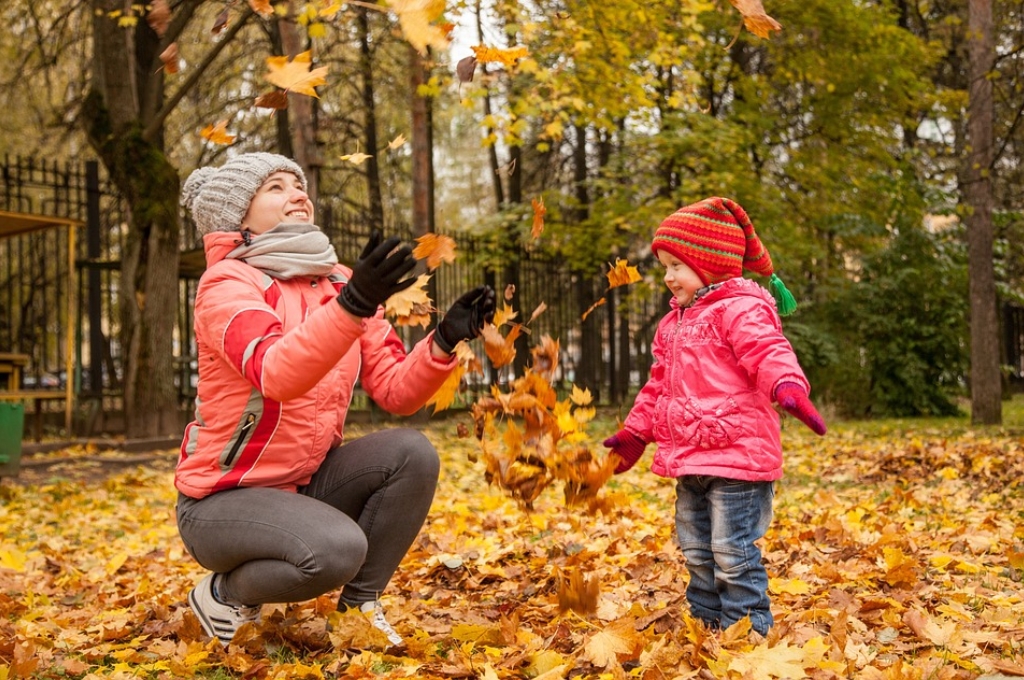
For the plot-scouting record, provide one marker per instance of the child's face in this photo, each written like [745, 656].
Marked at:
[680, 278]
[280, 198]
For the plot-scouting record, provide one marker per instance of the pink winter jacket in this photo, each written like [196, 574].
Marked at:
[277, 363]
[708, 402]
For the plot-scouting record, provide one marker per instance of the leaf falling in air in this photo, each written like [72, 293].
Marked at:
[466, 68]
[221, 22]
[510, 292]
[539, 211]
[592, 308]
[396, 143]
[507, 56]
[755, 18]
[504, 314]
[545, 357]
[621, 274]
[296, 75]
[276, 99]
[541, 308]
[416, 17]
[218, 134]
[357, 158]
[262, 7]
[170, 59]
[158, 17]
[435, 249]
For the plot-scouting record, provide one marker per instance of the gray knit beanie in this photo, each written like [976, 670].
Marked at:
[219, 197]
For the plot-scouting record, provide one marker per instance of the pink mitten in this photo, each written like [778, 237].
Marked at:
[626, 446]
[793, 399]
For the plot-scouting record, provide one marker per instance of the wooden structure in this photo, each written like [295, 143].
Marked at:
[12, 364]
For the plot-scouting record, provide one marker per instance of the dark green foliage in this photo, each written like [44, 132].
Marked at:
[899, 333]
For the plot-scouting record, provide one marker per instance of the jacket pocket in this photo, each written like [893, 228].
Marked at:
[243, 433]
[710, 426]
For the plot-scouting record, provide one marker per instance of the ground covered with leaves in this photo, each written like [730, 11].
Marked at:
[895, 553]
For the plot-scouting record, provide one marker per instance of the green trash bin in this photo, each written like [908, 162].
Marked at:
[12, 426]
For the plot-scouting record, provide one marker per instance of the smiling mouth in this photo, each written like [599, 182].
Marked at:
[299, 214]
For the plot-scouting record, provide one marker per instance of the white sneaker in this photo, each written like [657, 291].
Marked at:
[379, 622]
[219, 620]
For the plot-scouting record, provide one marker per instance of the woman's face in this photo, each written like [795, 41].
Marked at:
[279, 199]
[680, 278]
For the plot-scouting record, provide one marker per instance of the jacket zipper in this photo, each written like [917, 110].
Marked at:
[250, 420]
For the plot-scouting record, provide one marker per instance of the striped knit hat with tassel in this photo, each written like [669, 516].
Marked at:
[716, 239]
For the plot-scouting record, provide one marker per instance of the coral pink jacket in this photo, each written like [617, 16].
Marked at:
[708, 402]
[278, 360]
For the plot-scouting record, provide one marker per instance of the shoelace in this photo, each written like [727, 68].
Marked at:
[379, 622]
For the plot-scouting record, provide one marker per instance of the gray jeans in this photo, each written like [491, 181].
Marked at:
[351, 526]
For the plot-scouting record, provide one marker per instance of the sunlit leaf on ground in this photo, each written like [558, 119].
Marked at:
[93, 576]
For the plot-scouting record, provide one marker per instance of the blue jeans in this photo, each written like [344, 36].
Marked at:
[350, 526]
[717, 522]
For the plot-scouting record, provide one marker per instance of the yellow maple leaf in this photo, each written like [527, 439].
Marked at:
[412, 306]
[504, 315]
[396, 143]
[357, 158]
[622, 274]
[446, 393]
[581, 397]
[604, 648]
[296, 75]
[435, 249]
[506, 56]
[416, 17]
[763, 663]
[218, 134]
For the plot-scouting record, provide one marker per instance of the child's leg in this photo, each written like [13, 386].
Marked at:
[693, 531]
[740, 515]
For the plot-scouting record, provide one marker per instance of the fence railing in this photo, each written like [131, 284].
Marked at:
[608, 353]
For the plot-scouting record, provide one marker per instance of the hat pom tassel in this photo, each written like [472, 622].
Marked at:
[783, 298]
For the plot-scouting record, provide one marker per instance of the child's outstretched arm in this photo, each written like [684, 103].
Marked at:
[793, 398]
[628, 447]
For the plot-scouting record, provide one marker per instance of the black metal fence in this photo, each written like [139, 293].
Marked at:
[607, 353]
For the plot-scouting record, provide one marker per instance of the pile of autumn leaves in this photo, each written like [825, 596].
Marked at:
[890, 557]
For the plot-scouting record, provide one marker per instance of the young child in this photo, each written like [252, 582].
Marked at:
[720, 361]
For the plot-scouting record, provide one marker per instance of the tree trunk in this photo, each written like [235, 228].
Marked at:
[301, 110]
[371, 167]
[986, 406]
[124, 91]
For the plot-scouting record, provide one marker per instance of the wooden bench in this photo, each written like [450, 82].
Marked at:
[11, 365]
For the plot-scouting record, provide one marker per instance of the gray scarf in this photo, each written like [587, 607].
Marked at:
[287, 251]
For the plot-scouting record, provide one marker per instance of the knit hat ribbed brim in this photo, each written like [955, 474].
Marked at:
[715, 238]
[218, 198]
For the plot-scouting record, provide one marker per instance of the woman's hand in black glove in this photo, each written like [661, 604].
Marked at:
[377, 275]
[465, 319]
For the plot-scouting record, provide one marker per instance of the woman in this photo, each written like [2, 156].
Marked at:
[271, 499]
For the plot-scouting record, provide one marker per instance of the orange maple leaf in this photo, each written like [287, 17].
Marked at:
[446, 393]
[218, 134]
[261, 7]
[296, 75]
[435, 249]
[755, 19]
[592, 308]
[622, 274]
[539, 211]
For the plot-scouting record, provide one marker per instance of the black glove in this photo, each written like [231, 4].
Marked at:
[465, 318]
[377, 275]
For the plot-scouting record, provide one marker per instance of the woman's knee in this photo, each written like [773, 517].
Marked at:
[420, 455]
[336, 559]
